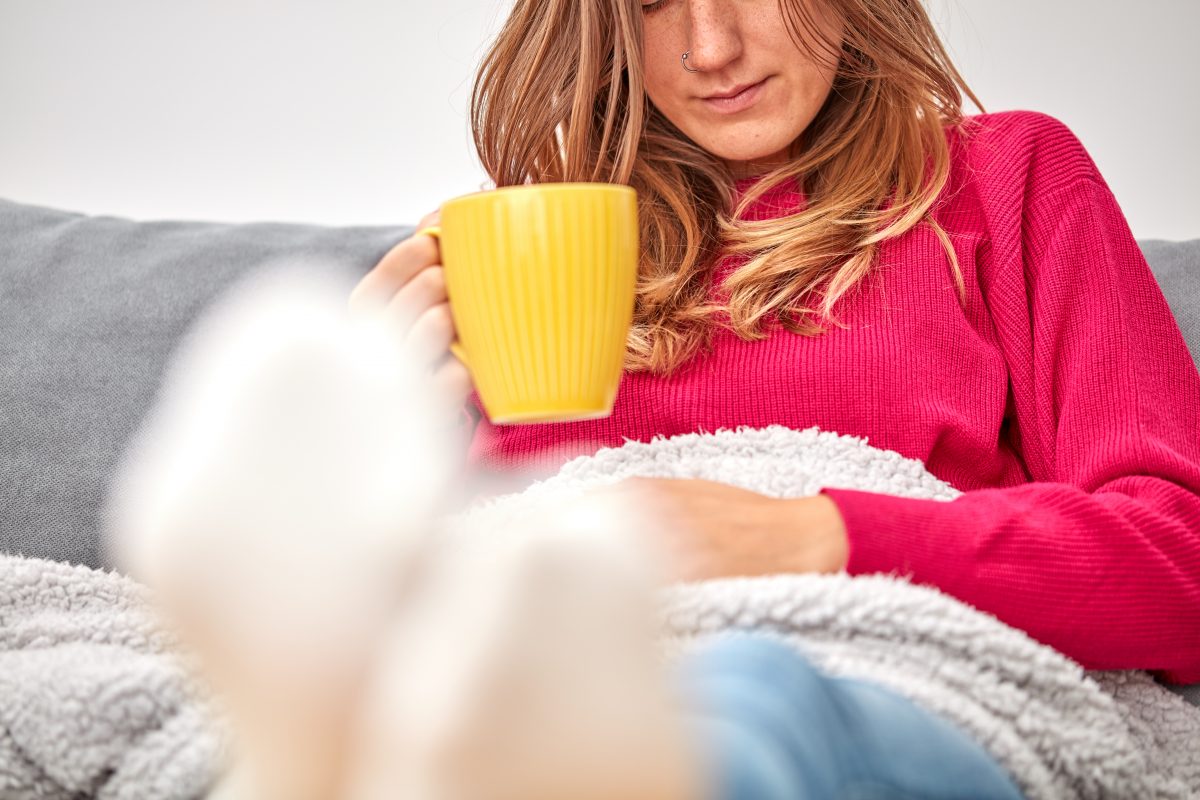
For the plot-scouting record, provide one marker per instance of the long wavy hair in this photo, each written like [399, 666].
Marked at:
[560, 97]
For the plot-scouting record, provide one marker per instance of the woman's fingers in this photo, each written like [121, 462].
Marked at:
[453, 380]
[424, 291]
[421, 308]
[432, 218]
[409, 286]
[430, 336]
[398, 266]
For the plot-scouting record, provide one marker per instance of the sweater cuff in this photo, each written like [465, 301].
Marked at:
[907, 536]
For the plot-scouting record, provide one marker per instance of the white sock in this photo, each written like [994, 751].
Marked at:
[283, 500]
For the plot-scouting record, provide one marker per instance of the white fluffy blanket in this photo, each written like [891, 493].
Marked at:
[94, 702]
[1060, 731]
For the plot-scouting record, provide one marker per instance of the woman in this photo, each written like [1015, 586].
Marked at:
[828, 241]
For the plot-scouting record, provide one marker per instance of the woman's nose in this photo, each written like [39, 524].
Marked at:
[715, 34]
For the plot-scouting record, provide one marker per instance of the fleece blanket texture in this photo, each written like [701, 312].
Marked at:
[95, 700]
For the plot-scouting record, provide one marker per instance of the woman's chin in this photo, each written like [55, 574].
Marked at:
[743, 161]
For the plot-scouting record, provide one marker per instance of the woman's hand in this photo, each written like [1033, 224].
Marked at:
[409, 286]
[713, 530]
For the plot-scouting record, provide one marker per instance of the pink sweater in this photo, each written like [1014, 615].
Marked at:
[1062, 401]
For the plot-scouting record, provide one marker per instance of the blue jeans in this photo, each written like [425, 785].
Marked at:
[774, 727]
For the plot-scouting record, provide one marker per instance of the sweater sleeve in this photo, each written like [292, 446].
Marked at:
[1099, 555]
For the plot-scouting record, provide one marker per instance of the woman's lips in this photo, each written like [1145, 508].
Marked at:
[739, 102]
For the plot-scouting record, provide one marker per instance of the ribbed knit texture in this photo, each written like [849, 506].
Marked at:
[1062, 400]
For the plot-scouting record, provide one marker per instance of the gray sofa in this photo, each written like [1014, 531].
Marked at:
[91, 308]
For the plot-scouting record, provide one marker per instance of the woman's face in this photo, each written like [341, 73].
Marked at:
[733, 44]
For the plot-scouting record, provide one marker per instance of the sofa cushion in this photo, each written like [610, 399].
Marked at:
[90, 310]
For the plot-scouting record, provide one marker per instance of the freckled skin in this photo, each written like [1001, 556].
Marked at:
[732, 43]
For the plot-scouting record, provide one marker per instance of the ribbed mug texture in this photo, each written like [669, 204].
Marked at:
[541, 282]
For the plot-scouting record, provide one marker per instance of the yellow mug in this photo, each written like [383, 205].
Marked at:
[541, 280]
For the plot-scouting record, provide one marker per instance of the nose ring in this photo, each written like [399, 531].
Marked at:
[685, 64]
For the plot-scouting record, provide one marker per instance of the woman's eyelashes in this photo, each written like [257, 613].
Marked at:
[650, 8]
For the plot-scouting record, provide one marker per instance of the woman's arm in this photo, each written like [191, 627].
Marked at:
[1099, 556]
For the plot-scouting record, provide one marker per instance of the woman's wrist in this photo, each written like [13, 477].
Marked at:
[816, 526]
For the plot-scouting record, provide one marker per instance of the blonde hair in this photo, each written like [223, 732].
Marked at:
[560, 97]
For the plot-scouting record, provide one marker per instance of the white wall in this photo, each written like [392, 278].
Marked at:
[355, 111]
[342, 112]
[1124, 75]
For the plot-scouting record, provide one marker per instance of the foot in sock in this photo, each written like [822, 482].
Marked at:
[273, 499]
[283, 500]
[537, 677]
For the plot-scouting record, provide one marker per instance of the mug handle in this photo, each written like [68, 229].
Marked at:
[455, 347]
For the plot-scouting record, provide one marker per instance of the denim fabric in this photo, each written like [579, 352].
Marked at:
[774, 727]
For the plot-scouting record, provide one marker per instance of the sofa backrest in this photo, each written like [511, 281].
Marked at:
[90, 310]
[1176, 267]
[92, 307]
